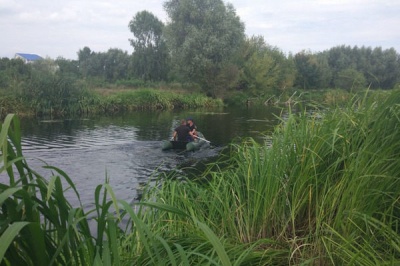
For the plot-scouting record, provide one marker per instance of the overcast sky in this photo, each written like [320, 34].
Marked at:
[53, 28]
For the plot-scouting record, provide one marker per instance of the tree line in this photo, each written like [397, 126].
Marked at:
[204, 45]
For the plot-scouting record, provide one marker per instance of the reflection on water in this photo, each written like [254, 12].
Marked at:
[126, 149]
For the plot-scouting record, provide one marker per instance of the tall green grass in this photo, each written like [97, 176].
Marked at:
[156, 99]
[56, 100]
[324, 191]
[38, 225]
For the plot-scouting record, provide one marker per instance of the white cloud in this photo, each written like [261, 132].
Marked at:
[61, 28]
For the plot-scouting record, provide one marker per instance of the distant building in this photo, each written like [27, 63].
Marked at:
[28, 58]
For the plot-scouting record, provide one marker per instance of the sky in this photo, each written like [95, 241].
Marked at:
[60, 28]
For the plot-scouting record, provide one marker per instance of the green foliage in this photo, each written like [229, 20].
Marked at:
[11, 104]
[264, 69]
[132, 83]
[379, 67]
[312, 71]
[13, 73]
[161, 100]
[68, 68]
[150, 57]
[38, 225]
[47, 91]
[322, 190]
[202, 37]
[109, 66]
[350, 79]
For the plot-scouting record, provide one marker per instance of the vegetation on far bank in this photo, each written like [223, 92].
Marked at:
[323, 190]
[208, 54]
[89, 102]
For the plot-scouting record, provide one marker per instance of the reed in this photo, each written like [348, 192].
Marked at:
[157, 99]
[38, 225]
[325, 192]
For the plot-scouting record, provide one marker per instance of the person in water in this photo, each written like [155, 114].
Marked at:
[182, 132]
[192, 127]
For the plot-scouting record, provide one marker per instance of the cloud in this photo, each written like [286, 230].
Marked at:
[318, 25]
[61, 28]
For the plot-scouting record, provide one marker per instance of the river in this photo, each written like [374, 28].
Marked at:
[126, 148]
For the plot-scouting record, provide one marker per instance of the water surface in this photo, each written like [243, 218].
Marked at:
[126, 148]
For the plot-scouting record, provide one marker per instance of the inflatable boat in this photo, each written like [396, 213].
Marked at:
[185, 145]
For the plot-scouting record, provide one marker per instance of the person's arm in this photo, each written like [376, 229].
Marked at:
[174, 135]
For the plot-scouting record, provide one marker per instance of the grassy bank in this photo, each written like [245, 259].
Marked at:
[321, 97]
[324, 191]
[95, 102]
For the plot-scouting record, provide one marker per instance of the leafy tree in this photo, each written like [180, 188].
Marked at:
[264, 69]
[84, 56]
[385, 68]
[324, 72]
[380, 68]
[49, 89]
[288, 74]
[68, 67]
[203, 36]
[313, 71]
[109, 66]
[13, 74]
[340, 58]
[4, 77]
[307, 70]
[116, 64]
[45, 65]
[350, 79]
[150, 57]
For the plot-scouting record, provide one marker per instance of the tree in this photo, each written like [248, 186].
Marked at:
[380, 68]
[84, 56]
[115, 64]
[150, 56]
[13, 74]
[350, 79]
[313, 71]
[264, 69]
[109, 66]
[203, 36]
[68, 67]
[385, 68]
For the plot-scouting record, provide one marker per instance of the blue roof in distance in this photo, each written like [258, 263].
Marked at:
[30, 57]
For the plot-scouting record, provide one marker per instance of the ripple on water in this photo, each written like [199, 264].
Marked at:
[90, 159]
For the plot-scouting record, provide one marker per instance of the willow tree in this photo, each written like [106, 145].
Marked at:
[313, 71]
[203, 36]
[150, 56]
[264, 69]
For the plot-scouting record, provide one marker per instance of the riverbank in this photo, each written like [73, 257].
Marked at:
[324, 190]
[115, 99]
[105, 101]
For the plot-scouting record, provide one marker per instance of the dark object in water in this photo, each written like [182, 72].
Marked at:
[182, 145]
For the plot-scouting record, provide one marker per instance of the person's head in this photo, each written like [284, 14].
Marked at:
[183, 122]
[189, 121]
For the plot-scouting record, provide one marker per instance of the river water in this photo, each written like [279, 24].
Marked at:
[126, 148]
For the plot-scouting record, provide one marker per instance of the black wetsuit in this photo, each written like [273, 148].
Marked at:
[183, 133]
